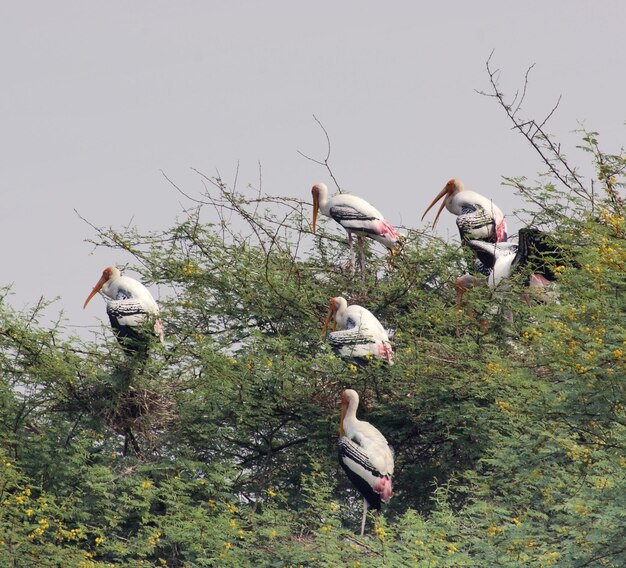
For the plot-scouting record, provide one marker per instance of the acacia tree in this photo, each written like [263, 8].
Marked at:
[220, 448]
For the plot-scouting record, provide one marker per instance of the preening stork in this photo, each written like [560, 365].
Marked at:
[478, 217]
[129, 306]
[365, 456]
[360, 333]
[356, 216]
[532, 248]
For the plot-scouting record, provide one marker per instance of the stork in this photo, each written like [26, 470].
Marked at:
[365, 456]
[478, 217]
[532, 248]
[129, 306]
[360, 333]
[356, 216]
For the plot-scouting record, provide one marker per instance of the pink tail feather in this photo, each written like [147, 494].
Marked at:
[386, 352]
[501, 232]
[385, 488]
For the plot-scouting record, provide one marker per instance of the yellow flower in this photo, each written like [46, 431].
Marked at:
[30, 512]
[326, 528]
[146, 484]
[228, 545]
[381, 533]
[99, 540]
[352, 367]
[269, 363]
[156, 536]
[504, 406]
[271, 492]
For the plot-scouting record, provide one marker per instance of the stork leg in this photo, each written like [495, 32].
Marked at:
[361, 246]
[364, 517]
[351, 250]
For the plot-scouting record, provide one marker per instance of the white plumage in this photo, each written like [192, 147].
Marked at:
[365, 456]
[478, 217]
[129, 306]
[356, 216]
[360, 334]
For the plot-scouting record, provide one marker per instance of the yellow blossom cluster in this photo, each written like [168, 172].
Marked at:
[614, 221]
[494, 530]
[381, 533]
[44, 524]
[190, 269]
[531, 333]
[578, 453]
[504, 406]
[154, 538]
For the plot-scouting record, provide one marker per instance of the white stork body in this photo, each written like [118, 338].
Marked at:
[129, 306]
[498, 258]
[356, 216]
[360, 333]
[478, 217]
[365, 456]
[531, 247]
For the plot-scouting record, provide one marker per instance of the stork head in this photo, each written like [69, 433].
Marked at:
[316, 190]
[451, 189]
[109, 273]
[348, 397]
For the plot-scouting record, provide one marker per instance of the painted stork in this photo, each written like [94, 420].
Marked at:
[532, 248]
[356, 216]
[365, 456]
[478, 217]
[360, 333]
[129, 306]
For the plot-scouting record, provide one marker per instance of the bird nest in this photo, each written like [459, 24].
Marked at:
[139, 413]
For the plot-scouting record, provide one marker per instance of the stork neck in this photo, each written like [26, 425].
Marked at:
[324, 200]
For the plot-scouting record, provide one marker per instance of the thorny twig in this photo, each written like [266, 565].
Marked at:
[534, 132]
[326, 161]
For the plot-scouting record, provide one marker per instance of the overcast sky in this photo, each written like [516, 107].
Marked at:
[98, 97]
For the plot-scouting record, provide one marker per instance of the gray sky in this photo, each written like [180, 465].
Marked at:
[98, 97]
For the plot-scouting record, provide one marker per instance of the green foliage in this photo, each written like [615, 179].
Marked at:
[219, 449]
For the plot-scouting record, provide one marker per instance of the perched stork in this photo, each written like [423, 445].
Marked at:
[364, 455]
[356, 216]
[361, 335]
[129, 306]
[478, 218]
[532, 248]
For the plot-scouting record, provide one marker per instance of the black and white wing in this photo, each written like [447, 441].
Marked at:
[360, 470]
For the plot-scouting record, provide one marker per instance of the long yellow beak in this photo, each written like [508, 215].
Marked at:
[344, 408]
[316, 206]
[444, 192]
[331, 312]
[95, 290]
